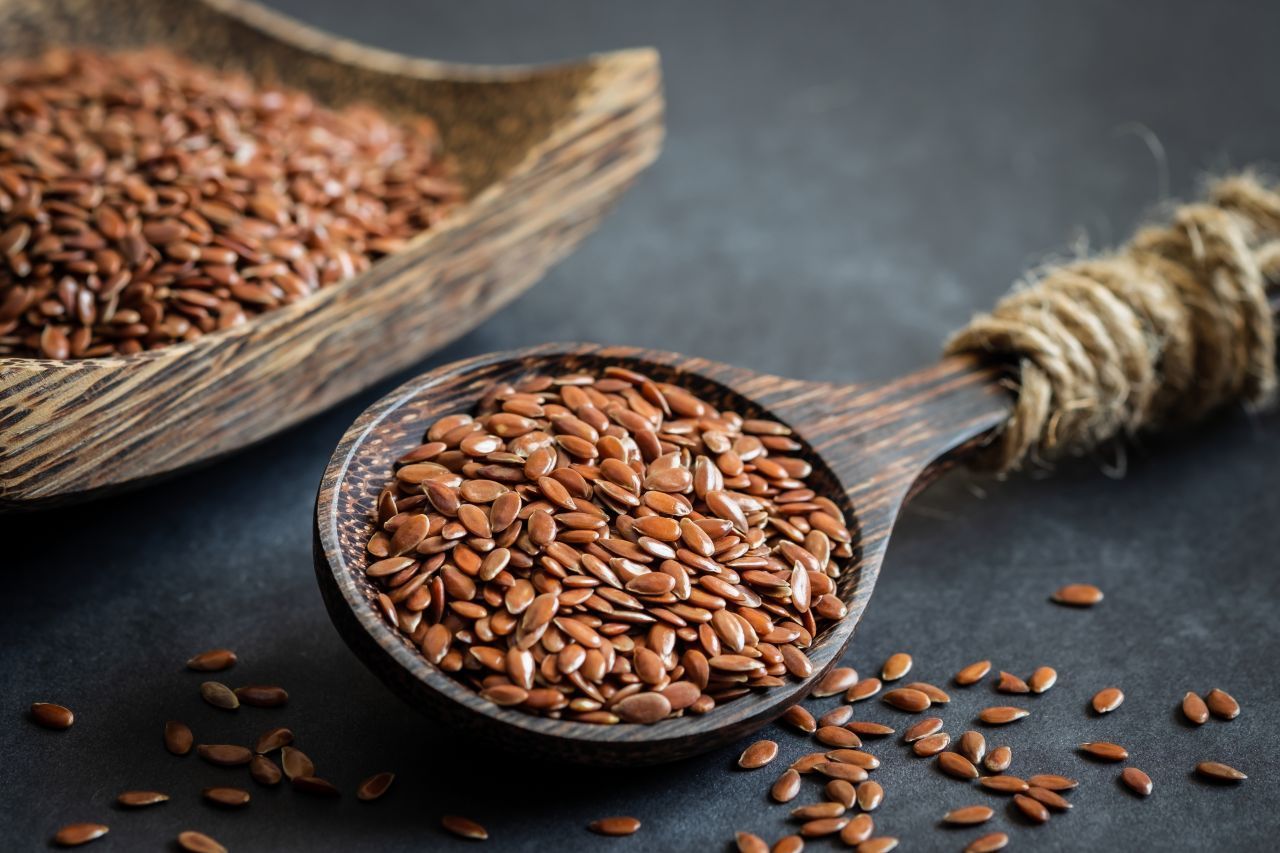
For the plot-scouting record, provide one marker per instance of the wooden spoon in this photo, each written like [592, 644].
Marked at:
[542, 151]
[871, 447]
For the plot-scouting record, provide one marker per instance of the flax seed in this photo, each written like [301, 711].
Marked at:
[177, 738]
[214, 660]
[374, 787]
[968, 816]
[857, 830]
[895, 667]
[823, 827]
[879, 844]
[841, 791]
[230, 797]
[789, 844]
[75, 834]
[787, 787]
[931, 745]
[264, 771]
[262, 696]
[1010, 683]
[1004, 784]
[1218, 772]
[922, 729]
[864, 689]
[907, 699]
[615, 826]
[296, 763]
[224, 754]
[750, 843]
[219, 695]
[1042, 679]
[198, 842]
[836, 681]
[1078, 595]
[758, 755]
[988, 843]
[273, 739]
[1104, 750]
[50, 716]
[1001, 715]
[1195, 709]
[1032, 808]
[1052, 799]
[856, 757]
[998, 759]
[1136, 781]
[1222, 704]
[937, 695]
[839, 770]
[800, 719]
[868, 729]
[956, 765]
[817, 811]
[972, 745]
[973, 673]
[314, 786]
[1052, 782]
[837, 716]
[464, 827]
[1107, 700]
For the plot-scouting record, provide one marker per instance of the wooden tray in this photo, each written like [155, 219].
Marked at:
[543, 152]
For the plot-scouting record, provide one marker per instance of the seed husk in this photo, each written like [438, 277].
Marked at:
[836, 681]
[1001, 715]
[296, 764]
[230, 797]
[51, 716]
[1216, 771]
[75, 834]
[315, 786]
[931, 745]
[1004, 784]
[219, 695]
[264, 771]
[973, 673]
[198, 842]
[1042, 679]
[858, 829]
[879, 844]
[800, 719]
[907, 699]
[758, 754]
[748, 842]
[262, 695]
[787, 787]
[1107, 700]
[837, 736]
[177, 738]
[823, 826]
[1010, 683]
[1105, 750]
[998, 759]
[922, 729]
[816, 811]
[896, 666]
[1222, 704]
[1052, 782]
[273, 739]
[867, 729]
[842, 792]
[1032, 808]
[214, 660]
[224, 754]
[1052, 799]
[138, 799]
[615, 826]
[1078, 595]
[988, 843]
[864, 689]
[936, 694]
[968, 815]
[955, 764]
[374, 787]
[1136, 781]
[1195, 709]
[972, 745]
[464, 827]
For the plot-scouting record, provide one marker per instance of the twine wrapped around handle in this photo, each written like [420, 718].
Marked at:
[1173, 325]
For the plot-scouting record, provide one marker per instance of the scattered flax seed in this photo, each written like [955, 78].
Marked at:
[1222, 704]
[615, 826]
[988, 843]
[856, 757]
[787, 787]
[214, 660]
[264, 771]
[374, 787]
[972, 745]
[931, 745]
[907, 699]
[1136, 781]
[1078, 595]
[973, 673]
[750, 843]
[1052, 782]
[922, 729]
[857, 830]
[968, 816]
[296, 763]
[800, 719]
[273, 739]
[51, 716]
[868, 729]
[262, 696]
[1004, 784]
[138, 799]
[807, 763]
[864, 689]
[998, 759]
[823, 827]
[230, 797]
[837, 716]
[840, 791]
[896, 666]
[936, 694]
[759, 754]
[1107, 700]
[842, 770]
[224, 754]
[956, 765]
[1052, 799]
[314, 785]
[1042, 679]
[177, 738]
[879, 844]
[198, 842]
[788, 844]
[75, 834]
[817, 811]
[836, 681]
[1010, 683]
[1001, 715]
[1219, 772]
[1104, 750]
[219, 695]
[1032, 808]
[837, 736]
[1195, 709]
[870, 795]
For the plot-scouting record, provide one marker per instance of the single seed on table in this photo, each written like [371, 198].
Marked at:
[615, 826]
[758, 754]
[817, 811]
[1104, 750]
[214, 660]
[879, 844]
[787, 787]
[750, 843]
[1052, 782]
[895, 667]
[264, 771]
[1042, 679]
[931, 745]
[841, 791]
[858, 829]
[198, 842]
[137, 799]
[232, 797]
[788, 844]
[807, 763]
[1032, 808]
[51, 716]
[836, 681]
[870, 795]
[374, 787]
[1195, 709]
[922, 729]
[219, 695]
[1078, 595]
[1052, 799]
[955, 764]
[224, 754]
[998, 759]
[973, 673]
[837, 716]
[864, 689]
[296, 763]
[936, 694]
[866, 729]
[1010, 683]
[988, 843]
[1222, 704]
[1003, 784]
[823, 826]
[262, 695]
[968, 816]
[837, 736]
[464, 827]
[1137, 781]
[972, 745]
[314, 785]
[799, 718]
[1001, 715]
[273, 739]
[842, 770]
[1219, 772]
[856, 757]
[907, 699]
[1107, 700]
[75, 834]
[177, 738]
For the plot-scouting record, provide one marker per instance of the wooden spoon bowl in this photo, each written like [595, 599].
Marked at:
[542, 152]
[870, 446]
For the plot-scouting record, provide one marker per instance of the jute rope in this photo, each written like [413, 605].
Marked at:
[1170, 327]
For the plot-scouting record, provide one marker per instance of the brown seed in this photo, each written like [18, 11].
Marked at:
[973, 673]
[643, 708]
[936, 694]
[864, 689]
[464, 828]
[789, 844]
[1032, 808]
[264, 771]
[922, 729]
[138, 799]
[988, 843]
[1000, 715]
[842, 792]
[219, 695]
[837, 736]
[808, 762]
[998, 759]
[799, 718]
[750, 843]
[955, 764]
[51, 716]
[262, 696]
[972, 745]
[1052, 782]
[1105, 751]
[296, 763]
[374, 787]
[788, 785]
[823, 826]
[857, 830]
[1219, 772]
[840, 770]
[1052, 799]
[198, 842]
[931, 744]
[817, 811]
[177, 738]
[615, 826]
[75, 834]
[1221, 704]
[1107, 700]
[907, 699]
[837, 716]
[1010, 683]
[896, 666]
[1195, 709]
[968, 816]
[879, 844]
[866, 729]
[231, 797]
[214, 660]
[314, 785]
[1042, 679]
[273, 739]
[758, 754]
[1137, 781]
[1004, 784]
[856, 757]
[224, 754]
[1078, 595]
[836, 681]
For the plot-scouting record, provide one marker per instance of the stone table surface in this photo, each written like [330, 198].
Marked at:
[842, 185]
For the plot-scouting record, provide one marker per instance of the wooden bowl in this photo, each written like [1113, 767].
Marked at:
[877, 443]
[542, 152]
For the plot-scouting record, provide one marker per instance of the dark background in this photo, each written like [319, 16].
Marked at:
[843, 184]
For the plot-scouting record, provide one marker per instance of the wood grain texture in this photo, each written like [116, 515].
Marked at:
[543, 152]
[870, 446]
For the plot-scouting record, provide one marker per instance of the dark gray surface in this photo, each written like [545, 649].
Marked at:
[843, 184]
